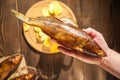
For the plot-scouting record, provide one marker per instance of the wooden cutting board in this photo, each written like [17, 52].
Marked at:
[36, 11]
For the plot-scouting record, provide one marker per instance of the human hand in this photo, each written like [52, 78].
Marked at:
[98, 37]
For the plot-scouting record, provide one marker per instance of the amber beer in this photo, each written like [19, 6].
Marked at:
[66, 34]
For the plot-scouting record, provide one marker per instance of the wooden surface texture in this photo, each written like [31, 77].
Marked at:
[102, 15]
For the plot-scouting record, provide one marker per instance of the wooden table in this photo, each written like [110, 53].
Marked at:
[98, 14]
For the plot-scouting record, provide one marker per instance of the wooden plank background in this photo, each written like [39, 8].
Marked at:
[102, 15]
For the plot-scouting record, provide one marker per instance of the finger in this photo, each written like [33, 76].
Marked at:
[54, 40]
[91, 32]
[66, 51]
[97, 36]
[75, 53]
[80, 56]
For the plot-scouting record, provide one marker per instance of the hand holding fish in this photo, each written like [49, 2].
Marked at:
[88, 46]
[98, 38]
[108, 62]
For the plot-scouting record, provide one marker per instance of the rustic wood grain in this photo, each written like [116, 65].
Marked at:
[9, 30]
[115, 7]
[30, 54]
[116, 23]
[89, 13]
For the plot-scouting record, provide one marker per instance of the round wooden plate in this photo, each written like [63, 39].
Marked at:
[36, 11]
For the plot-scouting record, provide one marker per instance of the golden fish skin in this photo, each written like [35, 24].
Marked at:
[8, 66]
[66, 34]
[29, 76]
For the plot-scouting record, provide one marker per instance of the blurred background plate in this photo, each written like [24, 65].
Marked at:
[34, 36]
